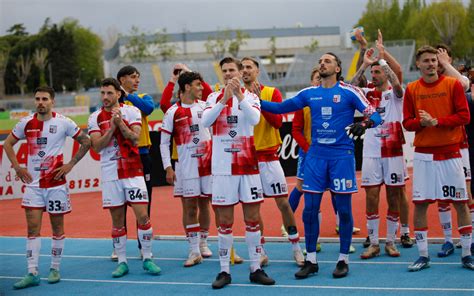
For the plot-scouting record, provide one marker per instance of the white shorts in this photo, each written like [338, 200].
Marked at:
[197, 187]
[178, 184]
[118, 192]
[466, 166]
[440, 180]
[54, 200]
[383, 170]
[273, 179]
[229, 190]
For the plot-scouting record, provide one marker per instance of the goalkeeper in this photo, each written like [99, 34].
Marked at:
[330, 161]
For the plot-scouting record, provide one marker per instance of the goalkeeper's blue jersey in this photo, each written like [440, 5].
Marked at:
[332, 110]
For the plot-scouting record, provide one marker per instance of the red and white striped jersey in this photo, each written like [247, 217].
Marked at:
[45, 140]
[192, 139]
[385, 140]
[120, 159]
[233, 148]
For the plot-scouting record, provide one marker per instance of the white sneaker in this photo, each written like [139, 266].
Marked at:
[204, 249]
[193, 259]
[299, 257]
[114, 256]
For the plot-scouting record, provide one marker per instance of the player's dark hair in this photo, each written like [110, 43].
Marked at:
[46, 89]
[376, 63]
[230, 60]
[253, 60]
[445, 47]
[339, 64]
[313, 72]
[187, 78]
[127, 70]
[111, 81]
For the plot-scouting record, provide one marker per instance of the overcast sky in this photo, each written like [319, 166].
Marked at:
[177, 15]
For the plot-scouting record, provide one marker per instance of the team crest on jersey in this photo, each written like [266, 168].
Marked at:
[196, 140]
[380, 109]
[232, 119]
[199, 114]
[53, 129]
[348, 183]
[336, 99]
[232, 133]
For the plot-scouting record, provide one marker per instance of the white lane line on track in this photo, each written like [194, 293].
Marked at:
[216, 260]
[261, 286]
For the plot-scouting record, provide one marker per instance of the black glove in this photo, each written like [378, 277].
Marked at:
[357, 130]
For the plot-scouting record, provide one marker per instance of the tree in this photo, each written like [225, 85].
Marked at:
[165, 48]
[40, 57]
[226, 41]
[22, 71]
[273, 55]
[217, 45]
[18, 30]
[63, 56]
[442, 22]
[312, 46]
[137, 46]
[4, 55]
[89, 53]
[237, 42]
[445, 21]
[470, 28]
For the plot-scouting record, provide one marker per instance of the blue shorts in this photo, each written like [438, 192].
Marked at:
[321, 174]
[300, 167]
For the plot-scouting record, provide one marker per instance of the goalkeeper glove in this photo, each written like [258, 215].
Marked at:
[357, 130]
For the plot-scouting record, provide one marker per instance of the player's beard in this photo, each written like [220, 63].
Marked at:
[326, 74]
[42, 110]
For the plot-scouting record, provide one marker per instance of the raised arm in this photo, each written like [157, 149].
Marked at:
[361, 80]
[449, 70]
[392, 62]
[397, 87]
